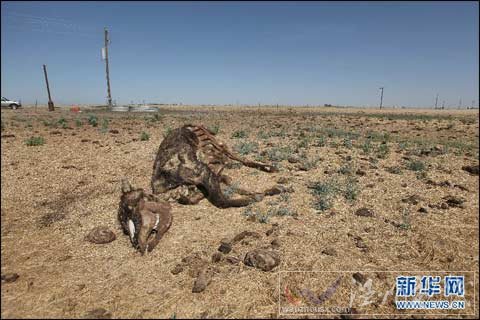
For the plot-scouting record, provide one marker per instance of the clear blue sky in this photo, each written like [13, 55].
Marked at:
[248, 53]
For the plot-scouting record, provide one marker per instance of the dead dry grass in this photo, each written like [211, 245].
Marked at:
[54, 194]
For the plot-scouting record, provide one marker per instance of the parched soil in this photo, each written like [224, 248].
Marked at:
[391, 191]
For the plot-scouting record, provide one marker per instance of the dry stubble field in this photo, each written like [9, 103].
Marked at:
[404, 166]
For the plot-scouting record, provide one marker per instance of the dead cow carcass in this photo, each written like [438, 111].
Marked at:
[189, 164]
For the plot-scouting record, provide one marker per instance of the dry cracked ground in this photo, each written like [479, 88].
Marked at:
[372, 192]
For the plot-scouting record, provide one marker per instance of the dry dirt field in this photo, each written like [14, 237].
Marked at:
[405, 168]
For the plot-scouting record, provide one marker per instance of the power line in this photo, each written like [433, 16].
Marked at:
[106, 69]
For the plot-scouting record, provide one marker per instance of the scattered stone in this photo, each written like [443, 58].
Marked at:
[50, 218]
[445, 183]
[422, 210]
[201, 282]
[114, 131]
[359, 277]
[100, 235]
[8, 136]
[364, 212]
[293, 159]
[444, 206]
[225, 246]
[217, 257]
[275, 243]
[282, 180]
[471, 169]
[273, 230]
[98, 313]
[85, 140]
[177, 269]
[360, 243]
[370, 185]
[360, 172]
[9, 277]
[329, 251]
[55, 132]
[413, 199]
[242, 235]
[232, 260]
[454, 201]
[262, 259]
[303, 167]
[461, 187]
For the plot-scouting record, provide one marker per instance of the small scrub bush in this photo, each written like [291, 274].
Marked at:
[322, 203]
[215, 129]
[278, 153]
[321, 141]
[168, 130]
[35, 141]
[367, 146]
[416, 165]
[245, 148]
[382, 151]
[351, 190]
[144, 136]
[104, 126]
[239, 134]
[347, 143]
[62, 122]
[93, 120]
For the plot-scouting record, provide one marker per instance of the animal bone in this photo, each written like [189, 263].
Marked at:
[188, 168]
[144, 217]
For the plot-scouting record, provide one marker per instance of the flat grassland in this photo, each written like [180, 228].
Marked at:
[61, 176]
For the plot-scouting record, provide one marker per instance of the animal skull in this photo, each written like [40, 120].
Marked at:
[143, 217]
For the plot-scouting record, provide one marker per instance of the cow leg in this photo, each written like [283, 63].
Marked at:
[269, 192]
[212, 190]
[194, 196]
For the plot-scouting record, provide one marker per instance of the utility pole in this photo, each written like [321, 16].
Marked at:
[460, 104]
[443, 104]
[473, 103]
[381, 98]
[106, 69]
[436, 101]
[51, 107]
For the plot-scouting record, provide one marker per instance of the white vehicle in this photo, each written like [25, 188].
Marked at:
[10, 103]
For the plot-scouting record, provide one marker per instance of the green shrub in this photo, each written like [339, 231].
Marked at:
[321, 142]
[144, 136]
[104, 126]
[93, 120]
[214, 129]
[245, 148]
[351, 190]
[383, 151]
[347, 143]
[168, 130]
[367, 146]
[278, 153]
[416, 165]
[35, 141]
[239, 134]
[62, 122]
[322, 203]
